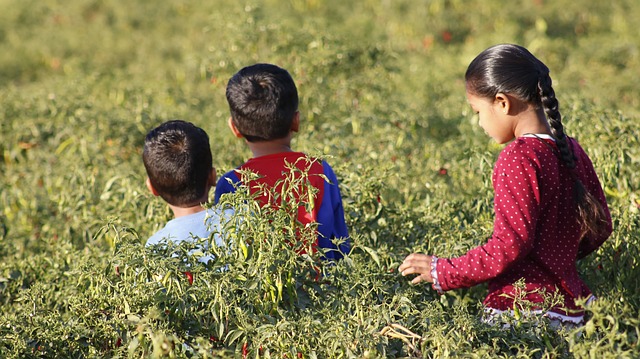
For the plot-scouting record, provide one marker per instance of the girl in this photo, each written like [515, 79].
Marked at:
[549, 207]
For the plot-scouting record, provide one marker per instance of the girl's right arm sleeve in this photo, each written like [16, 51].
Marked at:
[516, 207]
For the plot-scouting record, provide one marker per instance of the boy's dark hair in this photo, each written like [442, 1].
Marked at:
[513, 70]
[263, 100]
[178, 161]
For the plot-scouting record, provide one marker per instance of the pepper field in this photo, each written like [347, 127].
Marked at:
[381, 98]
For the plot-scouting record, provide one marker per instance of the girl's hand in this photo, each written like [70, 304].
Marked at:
[417, 263]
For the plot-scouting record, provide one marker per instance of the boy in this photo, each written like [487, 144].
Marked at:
[179, 167]
[263, 101]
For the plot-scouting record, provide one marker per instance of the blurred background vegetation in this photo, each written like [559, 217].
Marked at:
[382, 95]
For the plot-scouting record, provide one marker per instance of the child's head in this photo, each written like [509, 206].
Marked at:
[512, 70]
[263, 100]
[178, 161]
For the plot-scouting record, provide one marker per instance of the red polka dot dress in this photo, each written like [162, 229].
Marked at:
[536, 234]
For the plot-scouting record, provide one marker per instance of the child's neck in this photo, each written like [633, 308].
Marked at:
[185, 211]
[264, 148]
[532, 121]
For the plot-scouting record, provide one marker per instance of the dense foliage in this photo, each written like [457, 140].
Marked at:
[382, 98]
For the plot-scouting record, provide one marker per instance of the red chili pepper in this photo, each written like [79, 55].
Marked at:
[299, 355]
[245, 351]
[446, 36]
[443, 171]
[189, 277]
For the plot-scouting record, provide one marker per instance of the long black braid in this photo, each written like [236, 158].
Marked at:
[590, 211]
[550, 106]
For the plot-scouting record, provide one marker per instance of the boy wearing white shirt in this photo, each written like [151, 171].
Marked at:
[177, 158]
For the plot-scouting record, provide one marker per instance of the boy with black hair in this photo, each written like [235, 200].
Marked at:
[177, 158]
[263, 101]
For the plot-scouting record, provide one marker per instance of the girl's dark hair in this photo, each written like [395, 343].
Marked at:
[513, 70]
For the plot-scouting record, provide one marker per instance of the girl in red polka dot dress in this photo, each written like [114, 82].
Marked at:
[550, 210]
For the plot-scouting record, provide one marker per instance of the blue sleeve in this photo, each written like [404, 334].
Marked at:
[226, 185]
[331, 220]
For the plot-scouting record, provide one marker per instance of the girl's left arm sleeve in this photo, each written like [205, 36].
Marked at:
[516, 206]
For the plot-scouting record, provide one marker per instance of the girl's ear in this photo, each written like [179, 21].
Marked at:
[295, 124]
[233, 128]
[151, 188]
[503, 102]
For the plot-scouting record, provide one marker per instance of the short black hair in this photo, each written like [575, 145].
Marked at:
[263, 100]
[177, 157]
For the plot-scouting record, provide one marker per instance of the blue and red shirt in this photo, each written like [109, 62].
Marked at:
[326, 210]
